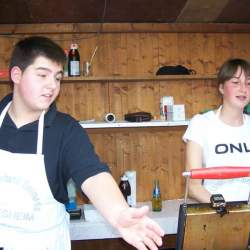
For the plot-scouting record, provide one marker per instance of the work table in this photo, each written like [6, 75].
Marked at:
[96, 227]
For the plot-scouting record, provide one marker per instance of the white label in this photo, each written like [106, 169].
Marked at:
[74, 68]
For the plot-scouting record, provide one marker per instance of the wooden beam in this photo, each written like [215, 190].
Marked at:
[78, 28]
[201, 11]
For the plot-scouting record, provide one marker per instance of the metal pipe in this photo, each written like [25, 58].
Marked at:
[186, 190]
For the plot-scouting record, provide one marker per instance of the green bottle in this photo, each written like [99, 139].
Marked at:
[156, 197]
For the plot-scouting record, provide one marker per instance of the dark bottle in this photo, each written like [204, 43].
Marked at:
[125, 187]
[156, 197]
[74, 61]
[66, 65]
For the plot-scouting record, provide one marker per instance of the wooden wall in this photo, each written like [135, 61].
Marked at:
[132, 53]
[152, 152]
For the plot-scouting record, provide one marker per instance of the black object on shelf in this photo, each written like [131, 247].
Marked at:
[138, 117]
[175, 70]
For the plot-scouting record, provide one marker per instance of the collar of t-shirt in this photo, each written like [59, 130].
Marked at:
[48, 119]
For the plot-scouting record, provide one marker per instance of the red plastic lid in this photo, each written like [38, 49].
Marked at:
[4, 73]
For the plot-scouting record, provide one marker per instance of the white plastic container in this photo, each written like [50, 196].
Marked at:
[131, 174]
[179, 112]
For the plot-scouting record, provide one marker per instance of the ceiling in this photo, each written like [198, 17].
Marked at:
[129, 11]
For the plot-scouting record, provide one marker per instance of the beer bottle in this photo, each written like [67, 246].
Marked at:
[156, 197]
[74, 61]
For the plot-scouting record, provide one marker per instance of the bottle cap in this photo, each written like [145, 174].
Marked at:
[73, 46]
[71, 205]
[124, 178]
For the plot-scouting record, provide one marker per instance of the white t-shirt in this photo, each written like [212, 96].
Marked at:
[222, 145]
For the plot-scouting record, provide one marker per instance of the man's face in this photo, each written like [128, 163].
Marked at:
[39, 84]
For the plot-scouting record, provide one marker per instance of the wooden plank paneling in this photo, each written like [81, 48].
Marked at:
[4, 90]
[92, 28]
[142, 54]
[152, 152]
[167, 49]
[184, 55]
[84, 101]
[241, 46]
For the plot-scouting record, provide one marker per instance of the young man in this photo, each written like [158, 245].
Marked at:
[41, 149]
[222, 137]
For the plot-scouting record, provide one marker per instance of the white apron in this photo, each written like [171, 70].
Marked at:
[30, 217]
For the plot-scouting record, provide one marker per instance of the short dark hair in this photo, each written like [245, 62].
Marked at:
[229, 68]
[28, 49]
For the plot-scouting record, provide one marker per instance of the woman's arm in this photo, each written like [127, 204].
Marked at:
[194, 160]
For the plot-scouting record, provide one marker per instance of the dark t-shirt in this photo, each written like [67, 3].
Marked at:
[68, 152]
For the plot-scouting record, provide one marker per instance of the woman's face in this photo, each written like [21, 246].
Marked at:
[236, 91]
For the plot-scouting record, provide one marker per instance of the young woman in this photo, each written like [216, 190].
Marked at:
[222, 137]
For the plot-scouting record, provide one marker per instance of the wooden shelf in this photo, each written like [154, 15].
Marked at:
[137, 78]
[125, 124]
[128, 78]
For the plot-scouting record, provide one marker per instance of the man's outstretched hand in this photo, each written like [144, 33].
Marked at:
[138, 229]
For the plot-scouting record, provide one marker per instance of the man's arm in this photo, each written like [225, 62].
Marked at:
[194, 160]
[132, 223]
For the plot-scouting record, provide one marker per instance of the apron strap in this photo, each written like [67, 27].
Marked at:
[5, 110]
[39, 149]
